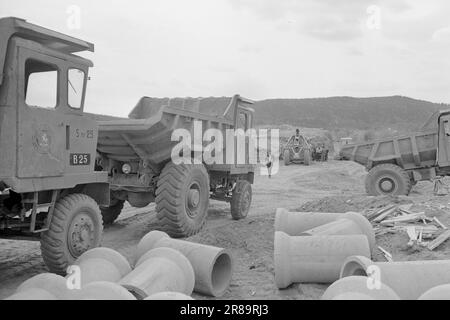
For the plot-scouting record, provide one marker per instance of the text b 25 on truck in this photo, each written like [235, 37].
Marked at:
[63, 174]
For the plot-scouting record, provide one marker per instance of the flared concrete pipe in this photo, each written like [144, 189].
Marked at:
[409, 279]
[102, 290]
[94, 269]
[50, 282]
[160, 270]
[437, 293]
[168, 296]
[347, 223]
[32, 294]
[110, 255]
[212, 266]
[358, 288]
[314, 259]
[352, 296]
[294, 223]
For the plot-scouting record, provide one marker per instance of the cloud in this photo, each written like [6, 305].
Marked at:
[441, 35]
[321, 19]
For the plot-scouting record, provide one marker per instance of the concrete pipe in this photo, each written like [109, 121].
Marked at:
[314, 259]
[212, 266]
[409, 279]
[437, 293]
[160, 270]
[50, 282]
[32, 294]
[353, 296]
[355, 287]
[168, 296]
[294, 223]
[348, 223]
[102, 290]
[94, 269]
[110, 255]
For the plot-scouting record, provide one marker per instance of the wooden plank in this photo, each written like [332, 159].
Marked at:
[440, 223]
[383, 216]
[380, 211]
[439, 240]
[408, 218]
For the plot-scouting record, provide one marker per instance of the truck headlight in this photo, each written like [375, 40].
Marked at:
[126, 168]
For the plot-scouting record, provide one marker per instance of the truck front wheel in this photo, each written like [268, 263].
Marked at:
[387, 179]
[76, 226]
[182, 199]
[241, 200]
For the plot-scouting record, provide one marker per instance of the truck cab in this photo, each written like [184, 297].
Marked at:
[47, 143]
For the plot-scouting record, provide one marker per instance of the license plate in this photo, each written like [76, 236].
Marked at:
[80, 159]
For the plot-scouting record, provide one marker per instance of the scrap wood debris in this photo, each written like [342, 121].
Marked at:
[421, 229]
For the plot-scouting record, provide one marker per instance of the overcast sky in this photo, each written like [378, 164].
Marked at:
[258, 48]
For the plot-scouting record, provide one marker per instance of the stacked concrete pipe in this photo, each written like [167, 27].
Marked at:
[441, 292]
[168, 295]
[359, 288]
[295, 223]
[316, 259]
[32, 294]
[323, 224]
[346, 224]
[409, 279]
[54, 284]
[102, 264]
[160, 270]
[212, 266]
[103, 290]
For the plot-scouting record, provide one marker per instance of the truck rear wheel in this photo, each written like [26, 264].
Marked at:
[241, 200]
[111, 213]
[387, 179]
[76, 227]
[182, 199]
[287, 157]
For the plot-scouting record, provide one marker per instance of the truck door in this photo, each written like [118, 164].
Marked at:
[41, 129]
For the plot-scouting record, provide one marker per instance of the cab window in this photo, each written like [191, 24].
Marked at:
[75, 87]
[41, 84]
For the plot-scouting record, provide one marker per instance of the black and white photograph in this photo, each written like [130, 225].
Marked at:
[224, 153]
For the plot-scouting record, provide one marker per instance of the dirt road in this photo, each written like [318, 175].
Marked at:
[334, 186]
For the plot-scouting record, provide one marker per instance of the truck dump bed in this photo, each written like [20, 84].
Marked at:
[147, 132]
[409, 152]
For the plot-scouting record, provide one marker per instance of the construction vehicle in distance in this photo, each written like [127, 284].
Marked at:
[136, 153]
[396, 164]
[49, 189]
[297, 150]
[56, 167]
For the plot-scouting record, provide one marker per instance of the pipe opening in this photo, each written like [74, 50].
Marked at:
[136, 292]
[221, 273]
[353, 268]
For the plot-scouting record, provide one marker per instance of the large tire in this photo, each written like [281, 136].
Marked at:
[111, 213]
[182, 199]
[287, 157]
[241, 199]
[387, 179]
[76, 227]
[307, 157]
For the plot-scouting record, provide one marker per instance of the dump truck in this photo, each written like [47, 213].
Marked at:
[137, 154]
[49, 188]
[396, 164]
[62, 179]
